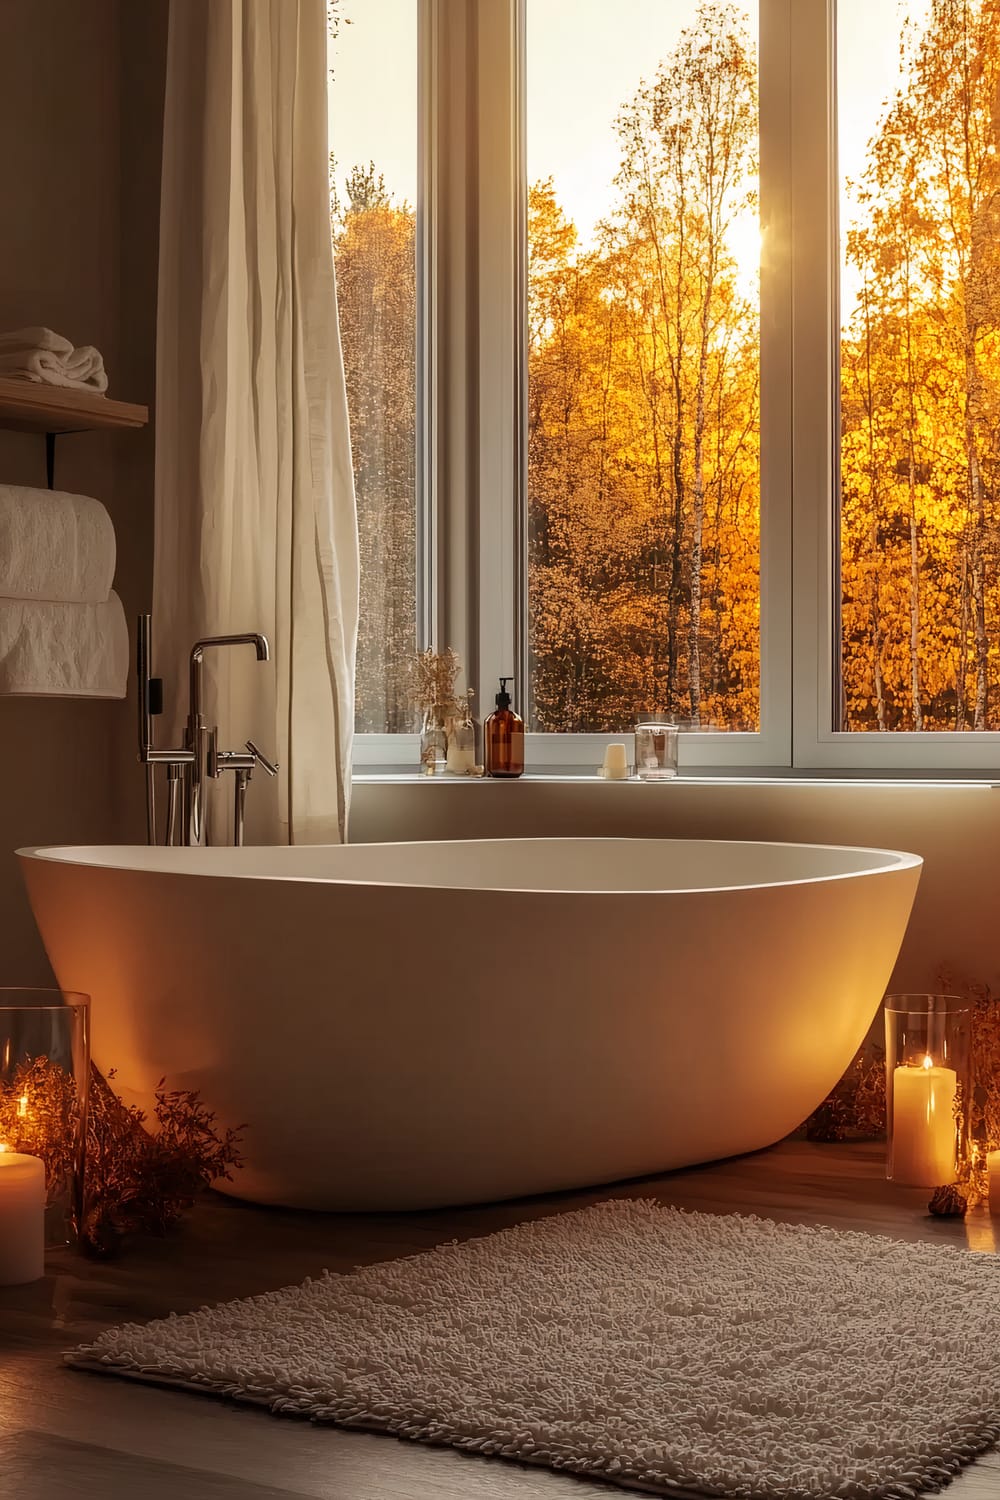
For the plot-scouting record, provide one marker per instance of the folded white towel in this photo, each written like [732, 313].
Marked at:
[41, 355]
[54, 546]
[63, 650]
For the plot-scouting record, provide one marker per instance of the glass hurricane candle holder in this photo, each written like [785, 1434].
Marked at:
[44, 1078]
[928, 1058]
[655, 747]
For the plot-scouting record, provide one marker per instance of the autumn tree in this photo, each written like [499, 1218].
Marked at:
[643, 406]
[374, 244]
[643, 413]
[921, 398]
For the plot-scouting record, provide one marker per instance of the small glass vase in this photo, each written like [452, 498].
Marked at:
[463, 747]
[434, 741]
[44, 1081]
[928, 1074]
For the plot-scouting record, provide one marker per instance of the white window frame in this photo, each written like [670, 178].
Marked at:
[472, 376]
[816, 319]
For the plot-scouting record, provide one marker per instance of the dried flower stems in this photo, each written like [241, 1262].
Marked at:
[142, 1181]
[135, 1180]
[434, 675]
[856, 1107]
[39, 1115]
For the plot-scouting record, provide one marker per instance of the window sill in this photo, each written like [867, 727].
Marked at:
[700, 776]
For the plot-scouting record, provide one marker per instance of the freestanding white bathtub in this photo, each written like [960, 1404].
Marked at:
[407, 1025]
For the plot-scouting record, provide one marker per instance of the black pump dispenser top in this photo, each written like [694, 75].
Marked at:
[503, 697]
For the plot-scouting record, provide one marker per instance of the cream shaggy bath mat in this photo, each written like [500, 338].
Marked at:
[657, 1349]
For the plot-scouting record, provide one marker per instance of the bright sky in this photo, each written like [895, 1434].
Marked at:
[585, 59]
[868, 33]
[373, 96]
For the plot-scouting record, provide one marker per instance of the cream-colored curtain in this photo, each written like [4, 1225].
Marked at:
[256, 527]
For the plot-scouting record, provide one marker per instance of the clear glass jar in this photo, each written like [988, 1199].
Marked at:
[462, 758]
[655, 747]
[44, 1081]
[434, 741]
[928, 1074]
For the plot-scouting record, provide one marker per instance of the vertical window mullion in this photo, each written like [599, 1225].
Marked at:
[776, 411]
[501, 353]
[428, 231]
[449, 339]
[814, 352]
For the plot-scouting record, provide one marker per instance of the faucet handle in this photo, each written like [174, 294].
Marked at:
[270, 766]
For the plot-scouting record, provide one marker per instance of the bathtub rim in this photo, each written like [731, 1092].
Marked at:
[894, 860]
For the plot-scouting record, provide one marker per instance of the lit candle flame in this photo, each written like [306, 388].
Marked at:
[4, 1146]
[928, 1063]
[22, 1106]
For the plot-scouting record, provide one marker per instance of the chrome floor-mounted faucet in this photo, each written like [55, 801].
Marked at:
[190, 766]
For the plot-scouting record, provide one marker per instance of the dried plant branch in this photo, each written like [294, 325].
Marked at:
[137, 1180]
[434, 675]
[984, 1110]
[856, 1107]
[39, 1115]
[142, 1181]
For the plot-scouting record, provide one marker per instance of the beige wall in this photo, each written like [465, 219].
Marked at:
[80, 108]
[956, 920]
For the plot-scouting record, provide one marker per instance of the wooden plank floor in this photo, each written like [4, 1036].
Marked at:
[68, 1434]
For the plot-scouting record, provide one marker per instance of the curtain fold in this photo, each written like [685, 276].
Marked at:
[256, 526]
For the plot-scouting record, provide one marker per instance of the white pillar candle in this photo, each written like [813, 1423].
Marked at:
[615, 767]
[993, 1168]
[923, 1125]
[22, 1218]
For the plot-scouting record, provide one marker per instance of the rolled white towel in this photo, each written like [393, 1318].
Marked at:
[39, 354]
[35, 337]
[54, 546]
[63, 650]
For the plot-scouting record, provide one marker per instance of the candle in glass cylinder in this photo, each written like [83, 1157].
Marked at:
[923, 1124]
[22, 1218]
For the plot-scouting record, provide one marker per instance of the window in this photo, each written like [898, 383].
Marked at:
[373, 194]
[707, 328]
[643, 364]
[920, 351]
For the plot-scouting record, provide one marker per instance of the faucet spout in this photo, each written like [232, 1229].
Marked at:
[248, 638]
[198, 735]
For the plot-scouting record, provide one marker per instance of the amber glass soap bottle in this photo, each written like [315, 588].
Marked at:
[503, 733]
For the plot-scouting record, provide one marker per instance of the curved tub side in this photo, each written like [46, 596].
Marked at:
[386, 1060]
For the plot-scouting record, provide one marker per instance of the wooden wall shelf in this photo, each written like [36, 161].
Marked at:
[28, 406]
